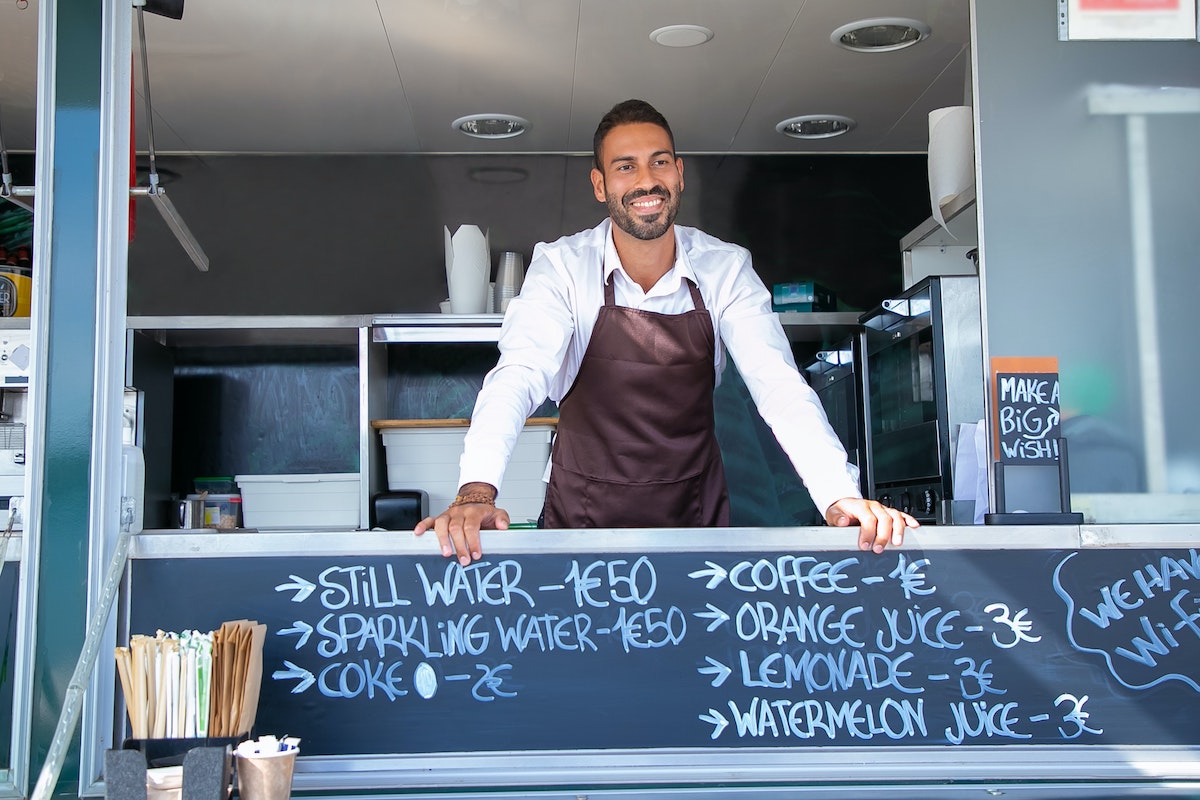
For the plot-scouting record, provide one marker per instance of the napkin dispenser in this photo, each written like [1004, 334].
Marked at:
[400, 510]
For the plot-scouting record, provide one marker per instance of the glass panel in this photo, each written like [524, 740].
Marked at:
[1089, 209]
[18, 101]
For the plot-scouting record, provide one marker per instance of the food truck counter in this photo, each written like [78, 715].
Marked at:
[1029, 661]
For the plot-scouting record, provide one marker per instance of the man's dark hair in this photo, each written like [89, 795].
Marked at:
[626, 113]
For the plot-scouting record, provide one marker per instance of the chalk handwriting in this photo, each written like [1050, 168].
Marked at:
[359, 586]
[796, 623]
[809, 719]
[1016, 624]
[487, 688]
[908, 625]
[1076, 717]
[779, 647]
[650, 628]
[353, 678]
[1150, 620]
[480, 582]
[978, 679]
[546, 632]
[829, 671]
[1028, 389]
[1028, 417]
[619, 580]
[912, 579]
[975, 719]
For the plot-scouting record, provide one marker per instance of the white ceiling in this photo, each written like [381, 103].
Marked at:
[389, 76]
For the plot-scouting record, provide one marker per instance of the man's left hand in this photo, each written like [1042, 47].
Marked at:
[878, 524]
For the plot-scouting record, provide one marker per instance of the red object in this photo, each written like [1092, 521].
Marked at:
[1129, 5]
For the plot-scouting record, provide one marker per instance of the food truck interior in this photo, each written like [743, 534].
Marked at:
[269, 303]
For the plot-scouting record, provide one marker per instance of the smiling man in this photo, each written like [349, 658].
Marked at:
[626, 326]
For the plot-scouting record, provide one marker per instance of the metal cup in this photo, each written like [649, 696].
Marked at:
[189, 514]
[267, 776]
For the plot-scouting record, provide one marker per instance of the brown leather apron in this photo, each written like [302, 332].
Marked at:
[636, 446]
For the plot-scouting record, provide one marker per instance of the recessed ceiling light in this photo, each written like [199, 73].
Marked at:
[815, 126]
[491, 126]
[681, 35]
[880, 35]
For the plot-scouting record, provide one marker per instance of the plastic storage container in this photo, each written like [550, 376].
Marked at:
[221, 511]
[219, 485]
[328, 500]
[427, 458]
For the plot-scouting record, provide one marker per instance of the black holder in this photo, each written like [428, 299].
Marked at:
[1062, 515]
[171, 752]
[172, 9]
[207, 770]
[399, 510]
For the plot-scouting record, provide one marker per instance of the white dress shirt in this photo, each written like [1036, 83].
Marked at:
[547, 328]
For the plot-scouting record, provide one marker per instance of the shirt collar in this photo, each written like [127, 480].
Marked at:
[680, 270]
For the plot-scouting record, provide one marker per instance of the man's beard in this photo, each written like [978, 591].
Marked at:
[644, 228]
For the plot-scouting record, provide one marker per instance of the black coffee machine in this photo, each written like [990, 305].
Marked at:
[923, 377]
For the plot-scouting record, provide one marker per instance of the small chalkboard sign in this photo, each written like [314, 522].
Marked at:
[1025, 395]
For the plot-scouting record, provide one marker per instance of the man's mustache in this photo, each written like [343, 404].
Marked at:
[637, 194]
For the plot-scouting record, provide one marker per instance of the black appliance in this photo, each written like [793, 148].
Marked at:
[834, 376]
[923, 376]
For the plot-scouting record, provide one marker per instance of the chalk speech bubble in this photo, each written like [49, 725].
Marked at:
[1142, 632]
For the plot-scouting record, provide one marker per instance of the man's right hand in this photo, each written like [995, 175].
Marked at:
[459, 525]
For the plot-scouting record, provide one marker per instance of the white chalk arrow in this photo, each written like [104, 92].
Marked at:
[716, 719]
[718, 616]
[301, 627]
[301, 587]
[718, 669]
[715, 574]
[307, 679]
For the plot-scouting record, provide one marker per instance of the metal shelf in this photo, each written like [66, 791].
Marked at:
[960, 217]
[819, 326]
[234, 331]
[429, 328]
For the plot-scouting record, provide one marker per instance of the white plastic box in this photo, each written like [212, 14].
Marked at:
[328, 500]
[427, 458]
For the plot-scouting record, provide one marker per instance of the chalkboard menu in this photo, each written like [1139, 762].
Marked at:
[1025, 394]
[416, 654]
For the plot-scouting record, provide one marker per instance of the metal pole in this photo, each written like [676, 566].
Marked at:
[68, 718]
[1146, 305]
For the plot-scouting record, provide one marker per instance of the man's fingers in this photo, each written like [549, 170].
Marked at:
[878, 524]
[868, 527]
[458, 529]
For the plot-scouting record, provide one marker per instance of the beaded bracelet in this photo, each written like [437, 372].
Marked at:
[473, 497]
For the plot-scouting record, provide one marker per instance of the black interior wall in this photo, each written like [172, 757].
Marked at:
[364, 234]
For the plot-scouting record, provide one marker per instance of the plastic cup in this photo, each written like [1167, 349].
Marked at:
[509, 275]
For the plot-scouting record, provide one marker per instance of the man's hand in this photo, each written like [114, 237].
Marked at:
[459, 525]
[878, 524]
